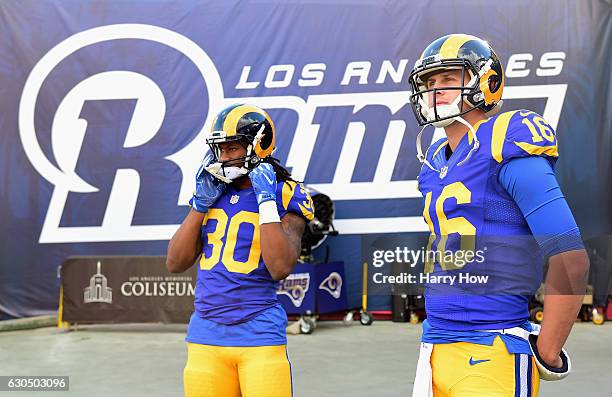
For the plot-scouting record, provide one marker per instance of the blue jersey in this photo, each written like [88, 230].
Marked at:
[233, 283]
[467, 210]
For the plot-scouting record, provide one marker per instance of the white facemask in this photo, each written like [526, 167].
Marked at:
[230, 173]
[226, 174]
[450, 110]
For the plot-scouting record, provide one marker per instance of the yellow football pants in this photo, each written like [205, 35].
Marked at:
[470, 370]
[219, 371]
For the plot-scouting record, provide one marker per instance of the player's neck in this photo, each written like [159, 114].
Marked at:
[244, 182]
[457, 130]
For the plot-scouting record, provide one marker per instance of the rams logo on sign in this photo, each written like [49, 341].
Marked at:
[332, 284]
[295, 287]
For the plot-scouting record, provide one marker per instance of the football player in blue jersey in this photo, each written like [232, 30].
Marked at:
[489, 183]
[246, 221]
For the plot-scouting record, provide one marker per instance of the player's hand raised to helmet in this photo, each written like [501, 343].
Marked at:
[207, 188]
[263, 179]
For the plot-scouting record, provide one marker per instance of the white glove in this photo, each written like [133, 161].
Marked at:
[546, 371]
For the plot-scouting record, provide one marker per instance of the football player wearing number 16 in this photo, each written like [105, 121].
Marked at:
[491, 177]
[246, 221]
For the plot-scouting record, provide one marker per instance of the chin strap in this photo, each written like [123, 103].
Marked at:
[474, 137]
[423, 158]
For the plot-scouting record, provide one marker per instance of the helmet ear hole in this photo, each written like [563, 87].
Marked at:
[494, 83]
[266, 140]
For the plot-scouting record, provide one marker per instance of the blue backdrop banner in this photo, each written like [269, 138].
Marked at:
[105, 106]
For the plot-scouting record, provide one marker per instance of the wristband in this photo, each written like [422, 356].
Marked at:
[268, 213]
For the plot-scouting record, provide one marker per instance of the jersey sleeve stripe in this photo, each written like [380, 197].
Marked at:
[288, 188]
[307, 212]
[536, 150]
[500, 127]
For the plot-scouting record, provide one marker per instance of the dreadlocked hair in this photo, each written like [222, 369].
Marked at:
[281, 172]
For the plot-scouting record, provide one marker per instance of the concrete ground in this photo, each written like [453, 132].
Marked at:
[380, 360]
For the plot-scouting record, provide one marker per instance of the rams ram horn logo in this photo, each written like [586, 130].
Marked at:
[295, 287]
[332, 284]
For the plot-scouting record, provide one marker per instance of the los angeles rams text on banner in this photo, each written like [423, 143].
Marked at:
[69, 129]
